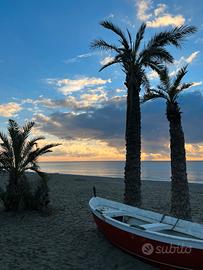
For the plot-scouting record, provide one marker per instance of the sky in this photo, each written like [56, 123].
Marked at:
[50, 75]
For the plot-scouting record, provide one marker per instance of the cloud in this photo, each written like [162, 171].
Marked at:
[98, 123]
[119, 90]
[186, 60]
[111, 16]
[161, 8]
[155, 124]
[152, 75]
[83, 149]
[48, 120]
[194, 151]
[91, 99]
[192, 57]
[66, 86]
[183, 61]
[143, 6]
[192, 107]
[107, 124]
[166, 20]
[71, 60]
[85, 55]
[9, 109]
[78, 58]
[197, 84]
[158, 16]
[106, 60]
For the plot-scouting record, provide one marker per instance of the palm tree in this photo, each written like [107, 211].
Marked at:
[170, 90]
[17, 155]
[133, 61]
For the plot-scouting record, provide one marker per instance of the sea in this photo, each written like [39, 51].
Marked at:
[151, 170]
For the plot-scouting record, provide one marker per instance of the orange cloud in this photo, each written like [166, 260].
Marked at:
[166, 20]
[88, 150]
[9, 109]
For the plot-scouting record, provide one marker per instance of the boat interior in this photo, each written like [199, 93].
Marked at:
[157, 223]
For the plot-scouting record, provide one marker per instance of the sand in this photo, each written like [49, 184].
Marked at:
[68, 238]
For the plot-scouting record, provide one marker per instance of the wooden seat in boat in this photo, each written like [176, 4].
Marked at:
[156, 226]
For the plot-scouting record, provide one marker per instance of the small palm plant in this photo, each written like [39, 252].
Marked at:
[170, 90]
[17, 155]
[133, 59]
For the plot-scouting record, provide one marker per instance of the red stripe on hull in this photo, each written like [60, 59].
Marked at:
[153, 251]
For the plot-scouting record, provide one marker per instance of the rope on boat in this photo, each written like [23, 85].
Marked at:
[175, 224]
[162, 218]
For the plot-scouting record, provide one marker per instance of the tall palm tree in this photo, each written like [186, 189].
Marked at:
[170, 89]
[133, 61]
[17, 155]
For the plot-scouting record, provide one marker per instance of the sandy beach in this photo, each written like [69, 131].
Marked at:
[68, 238]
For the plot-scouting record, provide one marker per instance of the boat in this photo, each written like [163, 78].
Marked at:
[157, 238]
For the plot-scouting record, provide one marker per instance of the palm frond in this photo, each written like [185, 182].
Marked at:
[179, 75]
[29, 146]
[17, 152]
[46, 149]
[103, 45]
[154, 94]
[109, 64]
[26, 129]
[145, 82]
[139, 37]
[117, 59]
[6, 162]
[16, 139]
[155, 54]
[130, 38]
[164, 79]
[155, 65]
[13, 130]
[176, 82]
[174, 36]
[35, 154]
[109, 25]
[181, 87]
[184, 86]
[6, 144]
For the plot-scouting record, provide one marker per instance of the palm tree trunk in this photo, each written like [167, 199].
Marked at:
[132, 193]
[180, 197]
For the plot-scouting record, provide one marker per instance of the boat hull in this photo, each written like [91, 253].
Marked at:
[156, 252]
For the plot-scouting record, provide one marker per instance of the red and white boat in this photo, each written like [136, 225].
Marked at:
[157, 238]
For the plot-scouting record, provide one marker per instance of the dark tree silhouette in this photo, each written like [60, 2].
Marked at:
[170, 90]
[133, 61]
[17, 155]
